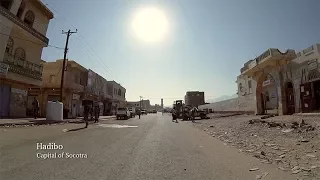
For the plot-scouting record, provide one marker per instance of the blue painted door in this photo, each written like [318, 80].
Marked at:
[4, 100]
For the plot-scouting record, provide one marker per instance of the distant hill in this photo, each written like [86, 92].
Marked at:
[221, 98]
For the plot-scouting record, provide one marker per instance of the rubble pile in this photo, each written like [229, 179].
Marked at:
[292, 145]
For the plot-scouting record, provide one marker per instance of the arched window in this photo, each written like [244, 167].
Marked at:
[9, 46]
[119, 92]
[29, 18]
[20, 54]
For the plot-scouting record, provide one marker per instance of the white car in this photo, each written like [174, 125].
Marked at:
[123, 113]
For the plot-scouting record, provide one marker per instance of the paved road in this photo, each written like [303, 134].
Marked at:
[151, 148]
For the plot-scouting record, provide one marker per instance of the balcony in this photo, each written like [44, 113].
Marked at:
[23, 67]
[272, 58]
[23, 25]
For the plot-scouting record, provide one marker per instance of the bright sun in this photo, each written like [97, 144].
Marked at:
[150, 25]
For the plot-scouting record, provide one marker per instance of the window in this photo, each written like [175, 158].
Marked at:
[21, 9]
[29, 18]
[250, 86]
[9, 46]
[240, 87]
[119, 92]
[6, 4]
[20, 56]
[51, 78]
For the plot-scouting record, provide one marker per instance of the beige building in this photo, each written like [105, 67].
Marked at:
[118, 95]
[75, 82]
[144, 104]
[23, 36]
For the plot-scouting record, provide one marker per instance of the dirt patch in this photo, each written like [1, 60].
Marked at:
[290, 142]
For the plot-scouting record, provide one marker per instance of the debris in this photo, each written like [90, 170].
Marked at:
[287, 130]
[211, 126]
[258, 176]
[282, 168]
[64, 130]
[302, 123]
[305, 169]
[270, 144]
[254, 169]
[225, 144]
[295, 168]
[304, 140]
[296, 171]
[282, 156]
[313, 167]
[264, 174]
[311, 155]
[263, 153]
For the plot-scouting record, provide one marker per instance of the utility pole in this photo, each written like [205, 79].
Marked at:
[64, 60]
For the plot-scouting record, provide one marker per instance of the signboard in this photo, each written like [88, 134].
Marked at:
[266, 83]
[19, 91]
[4, 69]
[313, 64]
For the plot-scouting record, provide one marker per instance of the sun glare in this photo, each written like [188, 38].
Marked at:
[150, 25]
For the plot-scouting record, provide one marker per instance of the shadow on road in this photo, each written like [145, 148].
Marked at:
[77, 129]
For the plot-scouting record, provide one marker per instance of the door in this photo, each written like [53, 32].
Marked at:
[290, 98]
[306, 97]
[74, 108]
[4, 100]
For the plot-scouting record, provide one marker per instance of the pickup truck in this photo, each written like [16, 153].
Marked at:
[132, 112]
[123, 113]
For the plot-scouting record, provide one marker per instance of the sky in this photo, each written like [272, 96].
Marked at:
[207, 43]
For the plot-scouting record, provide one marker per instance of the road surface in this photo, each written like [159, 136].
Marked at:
[150, 148]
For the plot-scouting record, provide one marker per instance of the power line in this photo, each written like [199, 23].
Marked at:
[92, 49]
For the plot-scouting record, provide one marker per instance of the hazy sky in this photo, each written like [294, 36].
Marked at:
[207, 44]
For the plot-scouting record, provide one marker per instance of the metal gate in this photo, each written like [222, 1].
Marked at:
[4, 100]
[306, 97]
[290, 98]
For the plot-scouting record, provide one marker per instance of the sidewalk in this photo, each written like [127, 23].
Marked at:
[42, 121]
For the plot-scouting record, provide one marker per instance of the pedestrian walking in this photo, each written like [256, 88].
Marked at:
[86, 112]
[174, 115]
[96, 113]
[35, 105]
[193, 113]
[139, 113]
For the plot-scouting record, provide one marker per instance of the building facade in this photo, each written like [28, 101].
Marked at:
[277, 83]
[23, 36]
[194, 98]
[97, 90]
[75, 82]
[118, 95]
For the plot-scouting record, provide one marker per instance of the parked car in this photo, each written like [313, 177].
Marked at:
[123, 113]
[132, 112]
[154, 111]
[143, 111]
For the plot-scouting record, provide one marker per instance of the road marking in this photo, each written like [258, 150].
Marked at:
[116, 126]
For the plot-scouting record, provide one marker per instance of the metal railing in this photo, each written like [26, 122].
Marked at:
[23, 67]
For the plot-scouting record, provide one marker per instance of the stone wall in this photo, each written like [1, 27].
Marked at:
[239, 104]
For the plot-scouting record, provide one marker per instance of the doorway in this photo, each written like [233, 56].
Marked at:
[290, 98]
[74, 108]
[316, 90]
[4, 100]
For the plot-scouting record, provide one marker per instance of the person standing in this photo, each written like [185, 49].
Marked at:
[174, 115]
[86, 112]
[96, 113]
[35, 105]
[139, 112]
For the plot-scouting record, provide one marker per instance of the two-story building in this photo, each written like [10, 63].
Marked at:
[75, 82]
[302, 81]
[97, 91]
[118, 94]
[23, 30]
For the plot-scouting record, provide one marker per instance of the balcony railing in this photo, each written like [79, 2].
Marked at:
[23, 67]
[19, 22]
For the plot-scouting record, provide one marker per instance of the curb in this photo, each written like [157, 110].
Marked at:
[45, 122]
